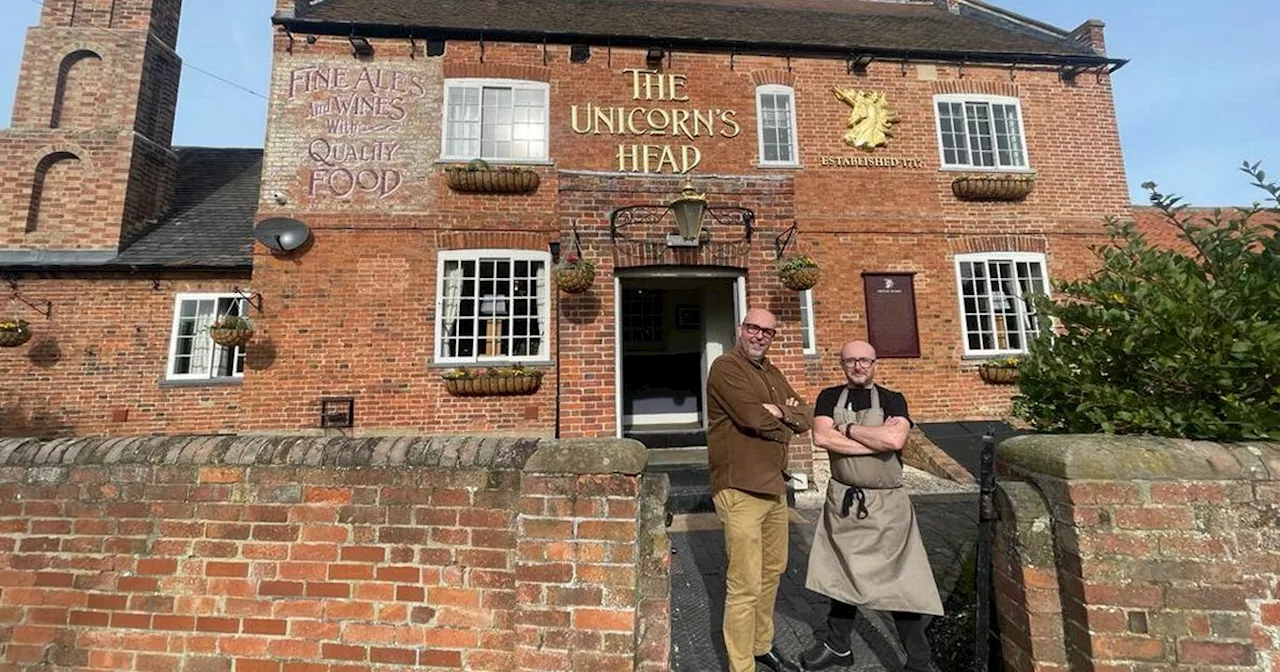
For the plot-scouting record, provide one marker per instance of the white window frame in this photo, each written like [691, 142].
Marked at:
[1015, 257]
[482, 82]
[808, 323]
[989, 100]
[542, 298]
[775, 89]
[215, 350]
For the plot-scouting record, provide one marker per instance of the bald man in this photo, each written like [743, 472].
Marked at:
[867, 551]
[752, 413]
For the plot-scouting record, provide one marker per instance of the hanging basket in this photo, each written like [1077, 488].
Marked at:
[493, 180]
[491, 386]
[801, 278]
[575, 278]
[997, 187]
[13, 334]
[998, 375]
[231, 337]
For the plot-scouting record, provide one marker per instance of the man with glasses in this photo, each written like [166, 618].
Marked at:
[752, 413]
[867, 550]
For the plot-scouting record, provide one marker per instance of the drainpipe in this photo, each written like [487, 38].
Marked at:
[558, 370]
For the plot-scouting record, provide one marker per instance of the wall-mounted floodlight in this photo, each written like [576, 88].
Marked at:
[360, 46]
[653, 58]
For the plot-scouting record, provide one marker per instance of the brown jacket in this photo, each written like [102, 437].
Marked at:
[746, 445]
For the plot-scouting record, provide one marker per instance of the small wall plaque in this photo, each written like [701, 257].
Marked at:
[891, 314]
[337, 412]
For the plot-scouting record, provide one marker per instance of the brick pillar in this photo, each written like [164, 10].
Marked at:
[1026, 582]
[1166, 551]
[577, 570]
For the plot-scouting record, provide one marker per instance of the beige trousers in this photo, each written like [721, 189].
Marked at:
[755, 538]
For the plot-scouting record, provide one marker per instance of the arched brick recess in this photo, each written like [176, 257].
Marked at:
[497, 71]
[59, 175]
[988, 87]
[74, 104]
[999, 244]
[783, 77]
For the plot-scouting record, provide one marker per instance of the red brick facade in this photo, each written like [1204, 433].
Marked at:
[354, 313]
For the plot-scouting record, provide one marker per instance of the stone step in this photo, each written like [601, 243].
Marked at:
[686, 468]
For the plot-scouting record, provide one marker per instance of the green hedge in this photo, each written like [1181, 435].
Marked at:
[1166, 342]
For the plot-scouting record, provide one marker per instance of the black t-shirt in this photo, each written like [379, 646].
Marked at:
[893, 403]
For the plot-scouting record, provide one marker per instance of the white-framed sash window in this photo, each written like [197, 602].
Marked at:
[495, 120]
[993, 288]
[978, 132]
[808, 334]
[776, 125]
[491, 305]
[192, 353]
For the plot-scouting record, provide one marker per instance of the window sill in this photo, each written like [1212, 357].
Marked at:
[976, 360]
[442, 161]
[963, 169]
[228, 381]
[532, 364]
[779, 166]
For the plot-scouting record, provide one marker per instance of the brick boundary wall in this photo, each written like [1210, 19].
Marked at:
[1128, 554]
[331, 554]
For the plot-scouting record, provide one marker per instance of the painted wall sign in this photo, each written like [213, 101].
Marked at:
[891, 314]
[358, 111]
[870, 162]
[669, 121]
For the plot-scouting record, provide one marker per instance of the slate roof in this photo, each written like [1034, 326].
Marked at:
[912, 28]
[211, 221]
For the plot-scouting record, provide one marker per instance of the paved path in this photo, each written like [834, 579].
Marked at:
[949, 525]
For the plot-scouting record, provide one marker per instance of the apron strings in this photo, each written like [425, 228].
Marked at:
[849, 495]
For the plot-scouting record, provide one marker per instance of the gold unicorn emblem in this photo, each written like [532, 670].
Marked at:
[869, 120]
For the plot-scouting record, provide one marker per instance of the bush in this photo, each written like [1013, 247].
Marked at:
[1162, 342]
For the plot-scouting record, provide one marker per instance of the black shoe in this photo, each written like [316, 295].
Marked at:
[820, 657]
[774, 661]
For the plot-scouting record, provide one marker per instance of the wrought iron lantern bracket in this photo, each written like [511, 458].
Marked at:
[715, 218]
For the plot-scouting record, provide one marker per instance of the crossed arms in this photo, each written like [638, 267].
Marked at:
[858, 440]
[735, 392]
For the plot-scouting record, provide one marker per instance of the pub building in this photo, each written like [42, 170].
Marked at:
[468, 219]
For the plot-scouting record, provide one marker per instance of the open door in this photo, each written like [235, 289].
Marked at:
[671, 328]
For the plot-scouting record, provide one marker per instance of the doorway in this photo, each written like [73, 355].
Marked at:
[671, 326]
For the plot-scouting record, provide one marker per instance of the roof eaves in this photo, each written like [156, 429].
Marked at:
[343, 28]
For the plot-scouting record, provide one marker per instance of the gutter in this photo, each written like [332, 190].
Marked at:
[117, 266]
[376, 30]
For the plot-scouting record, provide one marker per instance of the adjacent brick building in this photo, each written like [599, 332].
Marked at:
[774, 110]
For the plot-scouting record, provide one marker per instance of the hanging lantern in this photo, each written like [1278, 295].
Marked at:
[689, 209]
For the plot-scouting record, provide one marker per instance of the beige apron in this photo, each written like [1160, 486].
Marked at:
[867, 549]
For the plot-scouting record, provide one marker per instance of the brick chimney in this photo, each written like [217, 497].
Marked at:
[1091, 33]
[88, 153]
[952, 6]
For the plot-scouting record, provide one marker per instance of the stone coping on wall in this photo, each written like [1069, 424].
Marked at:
[533, 455]
[1139, 458]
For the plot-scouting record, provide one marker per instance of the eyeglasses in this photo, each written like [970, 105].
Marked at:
[756, 330]
[858, 361]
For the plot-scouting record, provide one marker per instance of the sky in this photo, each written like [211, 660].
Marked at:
[1200, 94]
